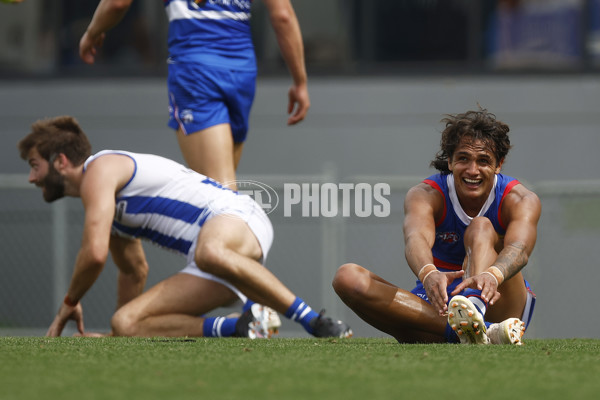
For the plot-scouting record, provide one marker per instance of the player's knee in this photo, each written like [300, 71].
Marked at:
[350, 282]
[212, 259]
[480, 228]
[123, 323]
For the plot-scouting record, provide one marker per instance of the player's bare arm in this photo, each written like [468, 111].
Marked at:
[99, 184]
[130, 259]
[108, 14]
[521, 211]
[289, 37]
[422, 206]
[97, 188]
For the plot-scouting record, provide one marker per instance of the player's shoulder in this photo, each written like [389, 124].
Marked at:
[422, 189]
[423, 194]
[108, 167]
[520, 192]
[521, 200]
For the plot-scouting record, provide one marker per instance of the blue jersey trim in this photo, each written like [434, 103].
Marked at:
[163, 206]
[160, 239]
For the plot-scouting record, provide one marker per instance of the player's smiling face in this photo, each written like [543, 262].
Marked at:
[474, 166]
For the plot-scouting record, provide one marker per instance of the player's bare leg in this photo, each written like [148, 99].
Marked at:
[482, 246]
[211, 152]
[228, 249]
[388, 308]
[171, 307]
[238, 147]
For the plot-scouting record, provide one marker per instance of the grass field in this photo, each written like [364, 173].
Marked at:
[358, 368]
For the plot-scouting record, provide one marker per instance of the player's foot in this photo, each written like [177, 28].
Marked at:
[466, 321]
[326, 327]
[509, 331]
[258, 322]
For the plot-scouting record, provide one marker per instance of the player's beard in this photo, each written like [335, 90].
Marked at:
[54, 185]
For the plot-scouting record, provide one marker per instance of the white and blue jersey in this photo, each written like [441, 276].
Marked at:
[211, 32]
[167, 203]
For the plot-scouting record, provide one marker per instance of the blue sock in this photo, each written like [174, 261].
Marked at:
[301, 312]
[451, 336]
[247, 305]
[219, 327]
[475, 296]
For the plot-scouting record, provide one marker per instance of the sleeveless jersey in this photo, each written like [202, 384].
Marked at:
[448, 249]
[167, 203]
[211, 32]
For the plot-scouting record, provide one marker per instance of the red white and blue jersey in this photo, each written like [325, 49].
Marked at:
[211, 32]
[448, 249]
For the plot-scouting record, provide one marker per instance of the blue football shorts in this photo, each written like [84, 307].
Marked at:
[202, 96]
[419, 290]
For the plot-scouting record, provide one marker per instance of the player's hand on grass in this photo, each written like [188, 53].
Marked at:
[484, 282]
[66, 313]
[435, 286]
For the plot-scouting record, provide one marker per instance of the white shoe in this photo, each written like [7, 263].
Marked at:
[466, 321]
[509, 331]
[271, 320]
[258, 322]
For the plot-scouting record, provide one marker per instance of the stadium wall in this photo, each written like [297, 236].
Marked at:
[374, 130]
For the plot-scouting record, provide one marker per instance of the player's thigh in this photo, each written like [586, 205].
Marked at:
[179, 294]
[210, 152]
[228, 232]
[237, 155]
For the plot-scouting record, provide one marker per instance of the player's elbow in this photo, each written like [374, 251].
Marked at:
[120, 5]
[281, 17]
[96, 255]
[92, 258]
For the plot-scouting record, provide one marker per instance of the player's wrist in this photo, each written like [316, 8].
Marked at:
[67, 301]
[425, 271]
[496, 273]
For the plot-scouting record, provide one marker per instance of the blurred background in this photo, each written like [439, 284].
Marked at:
[350, 37]
[382, 74]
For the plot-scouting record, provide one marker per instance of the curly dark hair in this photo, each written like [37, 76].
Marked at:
[476, 125]
[57, 135]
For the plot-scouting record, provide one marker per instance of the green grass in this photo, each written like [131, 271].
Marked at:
[208, 369]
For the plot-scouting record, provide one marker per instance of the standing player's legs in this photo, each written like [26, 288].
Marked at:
[482, 245]
[238, 147]
[171, 308]
[388, 308]
[211, 152]
[209, 109]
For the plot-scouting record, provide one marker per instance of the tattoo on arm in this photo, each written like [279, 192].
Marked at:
[512, 259]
